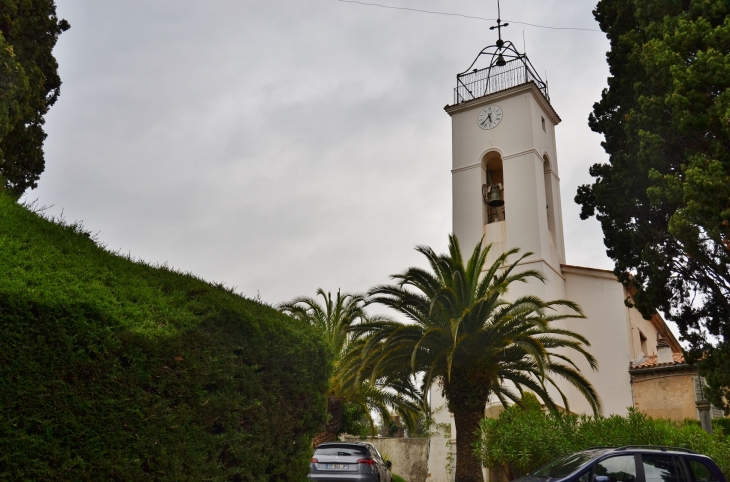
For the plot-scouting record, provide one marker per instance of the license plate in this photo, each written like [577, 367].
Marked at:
[337, 466]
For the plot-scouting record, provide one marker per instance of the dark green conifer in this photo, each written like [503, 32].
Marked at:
[29, 86]
[663, 199]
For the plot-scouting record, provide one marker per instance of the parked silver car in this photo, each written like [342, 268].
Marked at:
[349, 461]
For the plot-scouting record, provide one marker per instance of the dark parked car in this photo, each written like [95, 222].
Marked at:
[633, 463]
[349, 461]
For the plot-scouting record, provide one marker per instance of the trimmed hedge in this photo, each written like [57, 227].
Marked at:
[114, 369]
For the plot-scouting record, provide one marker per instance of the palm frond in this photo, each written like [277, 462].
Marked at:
[460, 325]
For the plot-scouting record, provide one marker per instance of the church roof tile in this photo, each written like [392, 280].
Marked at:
[651, 362]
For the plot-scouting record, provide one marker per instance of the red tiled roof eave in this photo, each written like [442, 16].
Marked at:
[651, 363]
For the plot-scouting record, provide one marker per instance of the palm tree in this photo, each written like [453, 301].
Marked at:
[465, 336]
[333, 319]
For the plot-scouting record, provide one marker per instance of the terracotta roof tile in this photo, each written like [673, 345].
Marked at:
[651, 362]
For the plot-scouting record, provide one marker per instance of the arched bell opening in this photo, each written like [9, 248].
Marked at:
[549, 208]
[493, 188]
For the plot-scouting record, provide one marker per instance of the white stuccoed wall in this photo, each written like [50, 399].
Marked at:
[408, 455]
[442, 442]
[601, 296]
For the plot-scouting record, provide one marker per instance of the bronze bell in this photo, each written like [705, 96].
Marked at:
[495, 196]
[500, 61]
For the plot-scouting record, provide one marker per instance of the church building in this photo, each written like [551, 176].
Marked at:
[506, 191]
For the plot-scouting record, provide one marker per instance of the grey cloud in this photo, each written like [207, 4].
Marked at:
[285, 145]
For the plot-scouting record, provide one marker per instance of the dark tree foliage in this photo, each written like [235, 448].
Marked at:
[663, 199]
[29, 86]
[355, 421]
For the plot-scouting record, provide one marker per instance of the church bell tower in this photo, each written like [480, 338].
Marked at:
[505, 188]
[505, 182]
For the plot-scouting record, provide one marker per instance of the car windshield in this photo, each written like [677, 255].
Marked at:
[564, 465]
[342, 450]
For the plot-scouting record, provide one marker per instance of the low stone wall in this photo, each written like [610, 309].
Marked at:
[409, 456]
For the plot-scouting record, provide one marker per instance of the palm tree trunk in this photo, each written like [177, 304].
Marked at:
[468, 466]
[334, 422]
[323, 437]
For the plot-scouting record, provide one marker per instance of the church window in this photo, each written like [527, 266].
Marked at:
[549, 208]
[493, 188]
[543, 124]
[644, 347]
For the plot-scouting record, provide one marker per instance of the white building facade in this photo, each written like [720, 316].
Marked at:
[503, 139]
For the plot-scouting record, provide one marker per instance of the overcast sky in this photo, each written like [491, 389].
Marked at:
[278, 145]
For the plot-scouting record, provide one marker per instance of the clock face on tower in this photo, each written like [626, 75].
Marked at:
[489, 117]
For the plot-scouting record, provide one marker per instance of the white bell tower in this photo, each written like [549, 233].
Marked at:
[505, 181]
[505, 189]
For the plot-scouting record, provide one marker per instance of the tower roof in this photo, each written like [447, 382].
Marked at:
[507, 68]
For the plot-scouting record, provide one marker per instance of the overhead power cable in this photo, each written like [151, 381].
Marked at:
[450, 14]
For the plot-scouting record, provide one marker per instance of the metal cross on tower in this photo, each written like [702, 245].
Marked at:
[499, 26]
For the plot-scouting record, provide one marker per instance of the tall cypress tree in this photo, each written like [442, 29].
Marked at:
[663, 199]
[29, 86]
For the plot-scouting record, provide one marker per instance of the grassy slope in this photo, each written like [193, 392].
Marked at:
[113, 368]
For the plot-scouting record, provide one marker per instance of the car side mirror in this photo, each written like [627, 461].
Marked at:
[388, 464]
[601, 478]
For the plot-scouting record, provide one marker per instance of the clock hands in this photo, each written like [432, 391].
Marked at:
[487, 120]
[489, 117]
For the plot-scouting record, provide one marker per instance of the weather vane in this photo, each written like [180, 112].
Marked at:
[499, 26]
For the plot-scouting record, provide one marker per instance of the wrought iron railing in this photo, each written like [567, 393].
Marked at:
[478, 83]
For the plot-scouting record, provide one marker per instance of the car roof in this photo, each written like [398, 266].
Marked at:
[596, 454]
[360, 444]
[643, 448]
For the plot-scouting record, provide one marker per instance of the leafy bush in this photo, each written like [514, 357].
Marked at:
[722, 425]
[111, 369]
[397, 478]
[356, 421]
[523, 439]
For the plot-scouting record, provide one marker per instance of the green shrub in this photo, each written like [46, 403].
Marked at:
[356, 421]
[112, 369]
[722, 425]
[397, 478]
[521, 440]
